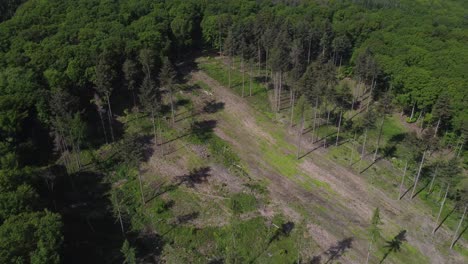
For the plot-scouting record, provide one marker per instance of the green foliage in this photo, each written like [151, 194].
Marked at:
[31, 238]
[129, 253]
[242, 203]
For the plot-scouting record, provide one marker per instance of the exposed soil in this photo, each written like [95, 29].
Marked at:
[346, 210]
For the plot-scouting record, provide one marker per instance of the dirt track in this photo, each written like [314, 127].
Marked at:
[347, 209]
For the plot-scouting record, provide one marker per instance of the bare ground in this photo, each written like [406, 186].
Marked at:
[345, 210]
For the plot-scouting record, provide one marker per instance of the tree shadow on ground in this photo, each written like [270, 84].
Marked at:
[185, 218]
[445, 218]
[395, 244]
[203, 130]
[212, 107]
[91, 234]
[316, 260]
[196, 176]
[460, 235]
[337, 251]
[149, 247]
[283, 231]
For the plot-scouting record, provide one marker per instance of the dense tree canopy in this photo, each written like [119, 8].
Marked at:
[68, 68]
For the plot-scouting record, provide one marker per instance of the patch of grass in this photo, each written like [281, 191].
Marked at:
[242, 203]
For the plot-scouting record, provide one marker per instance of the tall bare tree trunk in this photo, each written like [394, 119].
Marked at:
[315, 119]
[440, 210]
[433, 179]
[363, 151]
[259, 59]
[119, 215]
[110, 116]
[243, 75]
[141, 189]
[455, 236]
[412, 110]
[402, 181]
[299, 141]
[378, 139]
[326, 135]
[172, 106]
[103, 126]
[293, 98]
[279, 92]
[339, 126]
[250, 80]
[417, 176]
[437, 128]
[154, 128]
[229, 70]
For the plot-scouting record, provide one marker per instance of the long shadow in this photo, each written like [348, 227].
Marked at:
[91, 234]
[445, 218]
[407, 191]
[420, 190]
[212, 107]
[174, 139]
[149, 247]
[196, 176]
[460, 235]
[203, 130]
[165, 189]
[395, 244]
[283, 231]
[337, 251]
[187, 117]
[316, 260]
[368, 167]
[310, 151]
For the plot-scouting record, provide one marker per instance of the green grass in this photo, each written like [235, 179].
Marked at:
[242, 203]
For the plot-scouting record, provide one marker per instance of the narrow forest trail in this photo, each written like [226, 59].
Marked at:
[336, 210]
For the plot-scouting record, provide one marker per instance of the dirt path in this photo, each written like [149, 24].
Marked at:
[347, 209]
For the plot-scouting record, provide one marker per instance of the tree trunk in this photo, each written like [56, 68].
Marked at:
[120, 216]
[440, 210]
[433, 179]
[370, 94]
[339, 126]
[266, 66]
[229, 65]
[243, 76]
[378, 139]
[369, 250]
[460, 149]
[109, 115]
[402, 181]
[103, 126]
[363, 151]
[292, 109]
[455, 236]
[299, 141]
[308, 53]
[250, 80]
[161, 146]
[259, 59]
[315, 119]
[412, 111]
[279, 92]
[154, 128]
[326, 135]
[172, 106]
[134, 99]
[141, 189]
[437, 128]
[417, 176]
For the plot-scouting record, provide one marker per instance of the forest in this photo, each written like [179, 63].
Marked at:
[101, 100]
